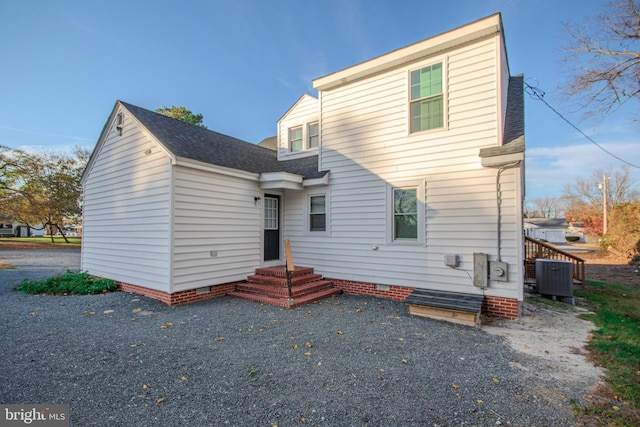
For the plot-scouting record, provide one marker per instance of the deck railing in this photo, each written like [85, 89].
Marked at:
[534, 249]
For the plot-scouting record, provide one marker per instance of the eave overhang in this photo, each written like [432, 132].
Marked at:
[496, 157]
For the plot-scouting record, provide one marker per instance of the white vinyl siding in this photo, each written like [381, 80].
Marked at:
[368, 147]
[126, 211]
[217, 228]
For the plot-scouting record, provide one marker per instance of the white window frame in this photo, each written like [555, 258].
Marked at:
[307, 213]
[310, 135]
[290, 131]
[419, 185]
[445, 98]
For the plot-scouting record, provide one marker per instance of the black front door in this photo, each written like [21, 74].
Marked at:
[271, 227]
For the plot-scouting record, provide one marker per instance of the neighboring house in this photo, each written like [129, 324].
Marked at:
[9, 228]
[397, 176]
[554, 230]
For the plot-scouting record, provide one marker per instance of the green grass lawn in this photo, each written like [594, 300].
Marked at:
[57, 240]
[616, 346]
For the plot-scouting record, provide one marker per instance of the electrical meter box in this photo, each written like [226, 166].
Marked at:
[498, 271]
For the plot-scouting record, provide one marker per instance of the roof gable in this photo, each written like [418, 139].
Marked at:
[192, 142]
[304, 97]
[490, 25]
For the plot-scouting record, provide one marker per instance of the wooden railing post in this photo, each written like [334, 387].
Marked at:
[289, 268]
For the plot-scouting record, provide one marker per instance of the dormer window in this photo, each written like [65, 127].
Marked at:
[313, 135]
[295, 138]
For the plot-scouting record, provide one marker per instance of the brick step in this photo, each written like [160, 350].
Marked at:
[269, 286]
[279, 291]
[285, 302]
[282, 281]
[280, 271]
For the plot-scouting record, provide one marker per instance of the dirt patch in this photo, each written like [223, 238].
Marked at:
[5, 265]
[610, 268]
[554, 333]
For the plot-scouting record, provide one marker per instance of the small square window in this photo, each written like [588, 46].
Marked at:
[295, 138]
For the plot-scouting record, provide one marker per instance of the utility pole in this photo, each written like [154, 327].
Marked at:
[604, 204]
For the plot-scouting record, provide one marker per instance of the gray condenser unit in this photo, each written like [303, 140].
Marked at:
[554, 277]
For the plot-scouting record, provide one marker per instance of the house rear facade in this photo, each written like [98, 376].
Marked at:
[404, 172]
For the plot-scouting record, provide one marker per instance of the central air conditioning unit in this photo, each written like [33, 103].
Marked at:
[554, 277]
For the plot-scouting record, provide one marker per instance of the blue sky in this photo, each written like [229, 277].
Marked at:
[243, 63]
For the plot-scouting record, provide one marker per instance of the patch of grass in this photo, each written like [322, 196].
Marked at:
[57, 240]
[616, 346]
[69, 283]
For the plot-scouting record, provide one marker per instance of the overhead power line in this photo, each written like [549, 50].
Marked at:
[539, 94]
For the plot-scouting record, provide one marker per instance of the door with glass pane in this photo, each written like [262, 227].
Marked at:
[271, 227]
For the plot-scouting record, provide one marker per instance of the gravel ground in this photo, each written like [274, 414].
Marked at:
[120, 360]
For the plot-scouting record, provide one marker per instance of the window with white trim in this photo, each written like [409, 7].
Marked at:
[295, 138]
[318, 213]
[313, 135]
[406, 207]
[426, 94]
[405, 213]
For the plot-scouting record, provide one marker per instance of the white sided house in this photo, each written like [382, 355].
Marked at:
[405, 173]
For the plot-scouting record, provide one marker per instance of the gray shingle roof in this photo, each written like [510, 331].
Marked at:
[204, 145]
[513, 138]
[514, 121]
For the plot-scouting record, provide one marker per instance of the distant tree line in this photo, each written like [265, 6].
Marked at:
[584, 201]
[41, 190]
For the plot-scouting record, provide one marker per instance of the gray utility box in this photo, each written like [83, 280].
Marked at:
[554, 277]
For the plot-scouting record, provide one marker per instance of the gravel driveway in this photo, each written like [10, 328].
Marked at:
[122, 360]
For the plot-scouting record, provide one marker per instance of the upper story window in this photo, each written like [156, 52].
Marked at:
[427, 98]
[295, 138]
[313, 135]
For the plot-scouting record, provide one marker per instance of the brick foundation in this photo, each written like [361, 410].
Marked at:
[397, 293]
[178, 298]
[504, 308]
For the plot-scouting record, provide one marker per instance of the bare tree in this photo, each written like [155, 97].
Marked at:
[545, 207]
[589, 192]
[605, 56]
